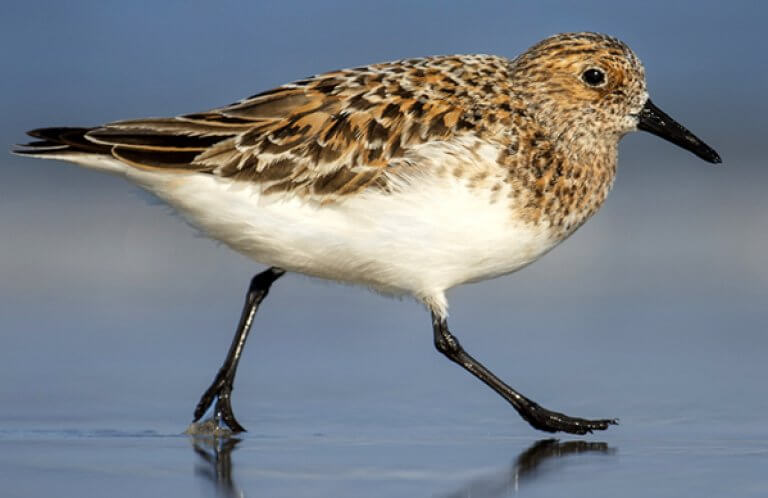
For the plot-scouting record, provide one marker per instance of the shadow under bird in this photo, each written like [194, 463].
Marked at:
[408, 177]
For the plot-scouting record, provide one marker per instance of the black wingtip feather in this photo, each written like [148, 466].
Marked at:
[156, 158]
[53, 133]
[62, 138]
[152, 139]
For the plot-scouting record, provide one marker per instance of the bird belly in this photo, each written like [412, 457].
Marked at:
[420, 240]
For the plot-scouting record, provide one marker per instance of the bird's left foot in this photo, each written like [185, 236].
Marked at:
[221, 391]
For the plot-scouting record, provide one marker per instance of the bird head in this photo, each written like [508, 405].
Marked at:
[589, 90]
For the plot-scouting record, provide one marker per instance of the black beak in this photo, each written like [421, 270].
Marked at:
[654, 120]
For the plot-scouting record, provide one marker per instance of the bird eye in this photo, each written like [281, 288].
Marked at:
[593, 77]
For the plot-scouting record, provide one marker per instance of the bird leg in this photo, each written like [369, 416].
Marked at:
[221, 388]
[539, 417]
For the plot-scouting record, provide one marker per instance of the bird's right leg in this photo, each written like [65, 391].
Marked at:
[536, 415]
[221, 388]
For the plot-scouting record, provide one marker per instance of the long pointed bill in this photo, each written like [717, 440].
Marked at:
[654, 120]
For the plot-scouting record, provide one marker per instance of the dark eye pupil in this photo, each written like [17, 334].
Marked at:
[593, 76]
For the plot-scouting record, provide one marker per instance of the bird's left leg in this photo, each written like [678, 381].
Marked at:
[221, 388]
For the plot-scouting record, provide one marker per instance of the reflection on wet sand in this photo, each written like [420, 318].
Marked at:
[216, 452]
[527, 467]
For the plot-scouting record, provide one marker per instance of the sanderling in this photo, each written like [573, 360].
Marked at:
[408, 177]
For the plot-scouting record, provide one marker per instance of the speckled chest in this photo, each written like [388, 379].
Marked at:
[550, 183]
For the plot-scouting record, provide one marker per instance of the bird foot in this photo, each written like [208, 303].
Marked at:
[221, 391]
[549, 421]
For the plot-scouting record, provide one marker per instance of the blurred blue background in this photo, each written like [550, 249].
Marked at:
[115, 315]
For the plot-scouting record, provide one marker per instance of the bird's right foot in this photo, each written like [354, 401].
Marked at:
[549, 421]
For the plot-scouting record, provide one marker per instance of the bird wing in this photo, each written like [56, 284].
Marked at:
[322, 137]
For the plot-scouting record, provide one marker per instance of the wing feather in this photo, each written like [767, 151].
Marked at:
[322, 137]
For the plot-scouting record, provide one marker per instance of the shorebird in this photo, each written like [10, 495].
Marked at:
[408, 177]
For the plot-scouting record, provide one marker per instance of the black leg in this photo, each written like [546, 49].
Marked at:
[539, 417]
[221, 388]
